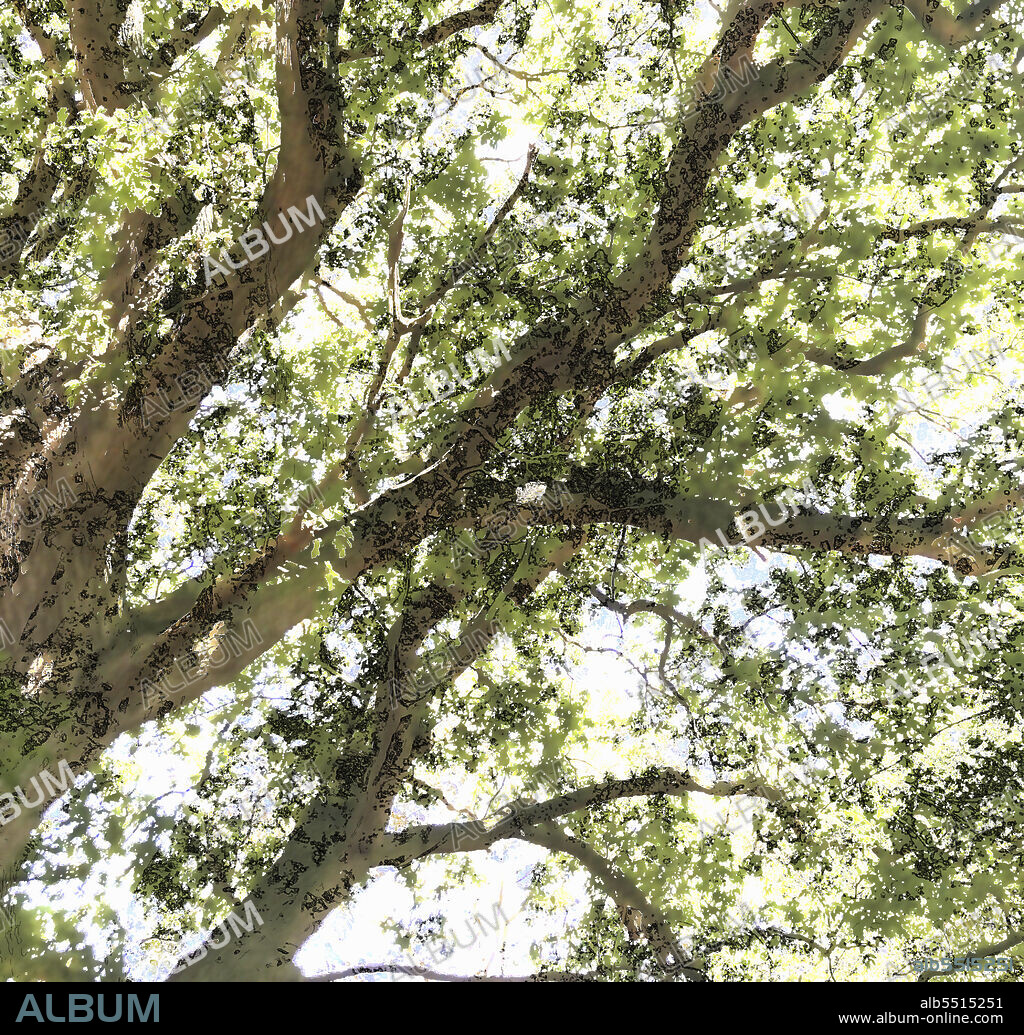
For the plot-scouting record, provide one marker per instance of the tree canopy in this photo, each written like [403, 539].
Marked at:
[569, 447]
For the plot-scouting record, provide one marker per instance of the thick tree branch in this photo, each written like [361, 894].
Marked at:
[955, 31]
[416, 842]
[662, 511]
[433, 975]
[483, 14]
[628, 897]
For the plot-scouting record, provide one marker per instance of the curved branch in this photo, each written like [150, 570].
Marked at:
[628, 897]
[433, 975]
[483, 14]
[418, 841]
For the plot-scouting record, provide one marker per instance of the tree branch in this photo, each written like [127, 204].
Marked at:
[433, 975]
[416, 842]
[626, 894]
[483, 14]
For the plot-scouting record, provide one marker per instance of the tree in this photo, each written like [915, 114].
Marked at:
[360, 358]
